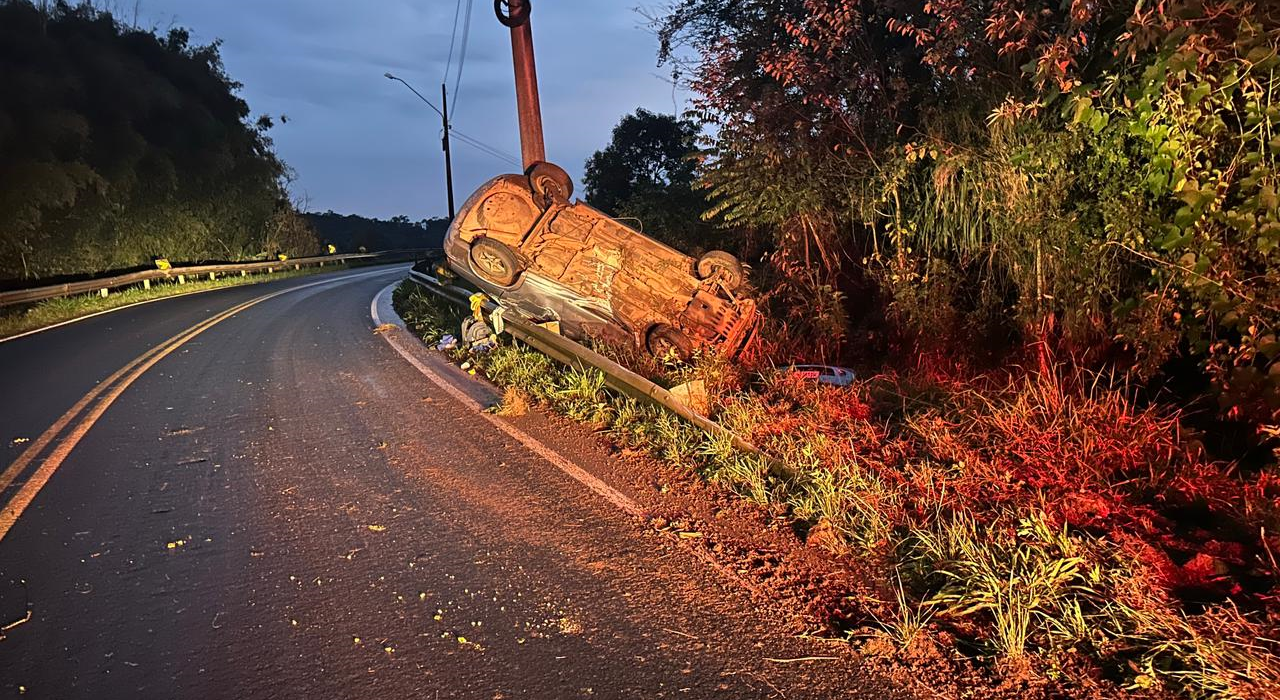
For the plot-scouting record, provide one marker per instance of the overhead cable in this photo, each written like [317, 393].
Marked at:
[453, 36]
[462, 55]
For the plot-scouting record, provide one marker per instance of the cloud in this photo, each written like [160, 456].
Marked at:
[360, 143]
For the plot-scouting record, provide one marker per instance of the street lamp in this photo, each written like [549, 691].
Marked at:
[444, 116]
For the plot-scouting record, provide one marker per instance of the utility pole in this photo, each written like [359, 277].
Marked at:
[448, 159]
[532, 149]
[444, 118]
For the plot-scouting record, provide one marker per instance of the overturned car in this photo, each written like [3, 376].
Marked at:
[520, 240]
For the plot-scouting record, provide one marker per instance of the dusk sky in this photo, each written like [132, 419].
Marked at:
[362, 144]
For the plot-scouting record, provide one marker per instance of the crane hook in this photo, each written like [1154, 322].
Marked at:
[511, 13]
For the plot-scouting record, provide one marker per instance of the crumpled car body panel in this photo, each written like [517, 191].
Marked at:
[593, 274]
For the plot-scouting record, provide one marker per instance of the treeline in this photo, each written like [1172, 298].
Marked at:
[118, 145]
[350, 233]
[954, 182]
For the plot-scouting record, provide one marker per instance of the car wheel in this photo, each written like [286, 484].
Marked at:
[550, 182]
[502, 8]
[722, 263]
[663, 340]
[495, 261]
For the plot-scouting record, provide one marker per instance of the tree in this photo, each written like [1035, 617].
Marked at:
[117, 145]
[647, 175]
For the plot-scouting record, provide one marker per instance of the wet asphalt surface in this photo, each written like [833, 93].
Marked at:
[286, 508]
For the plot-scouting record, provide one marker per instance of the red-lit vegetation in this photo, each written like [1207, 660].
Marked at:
[1051, 230]
[1039, 517]
[1045, 521]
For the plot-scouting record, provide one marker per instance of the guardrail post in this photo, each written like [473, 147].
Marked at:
[213, 276]
[146, 284]
[103, 292]
[244, 273]
[182, 279]
[270, 270]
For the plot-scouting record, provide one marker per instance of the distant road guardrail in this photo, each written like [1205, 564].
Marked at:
[182, 274]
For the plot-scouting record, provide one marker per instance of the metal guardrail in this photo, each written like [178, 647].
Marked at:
[565, 351]
[101, 285]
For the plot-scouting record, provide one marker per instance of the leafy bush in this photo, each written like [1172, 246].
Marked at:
[1097, 176]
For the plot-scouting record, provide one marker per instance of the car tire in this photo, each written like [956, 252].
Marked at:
[495, 262]
[662, 339]
[727, 266]
[549, 182]
[502, 8]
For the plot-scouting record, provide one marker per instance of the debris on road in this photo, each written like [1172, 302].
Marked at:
[448, 342]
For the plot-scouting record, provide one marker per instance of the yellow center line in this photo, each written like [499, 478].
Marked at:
[47, 436]
[109, 390]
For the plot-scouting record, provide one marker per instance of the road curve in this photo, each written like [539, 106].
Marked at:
[276, 504]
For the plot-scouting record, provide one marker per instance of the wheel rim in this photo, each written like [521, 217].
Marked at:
[712, 268]
[492, 264]
[550, 186]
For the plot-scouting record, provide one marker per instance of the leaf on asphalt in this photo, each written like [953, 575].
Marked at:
[384, 328]
[376, 528]
[176, 543]
[20, 440]
[690, 535]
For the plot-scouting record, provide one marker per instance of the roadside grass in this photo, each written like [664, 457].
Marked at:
[52, 311]
[1046, 523]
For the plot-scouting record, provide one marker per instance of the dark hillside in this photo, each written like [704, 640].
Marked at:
[350, 232]
[118, 145]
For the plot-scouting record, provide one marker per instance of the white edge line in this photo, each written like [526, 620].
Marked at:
[126, 306]
[610, 494]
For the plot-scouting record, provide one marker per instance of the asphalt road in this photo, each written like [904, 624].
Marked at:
[282, 506]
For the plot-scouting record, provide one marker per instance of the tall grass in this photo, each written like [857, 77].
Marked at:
[1027, 515]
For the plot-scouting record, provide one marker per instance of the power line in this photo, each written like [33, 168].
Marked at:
[495, 149]
[484, 148]
[453, 36]
[462, 54]
[469, 140]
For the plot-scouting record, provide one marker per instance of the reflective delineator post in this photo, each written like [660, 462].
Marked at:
[532, 149]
